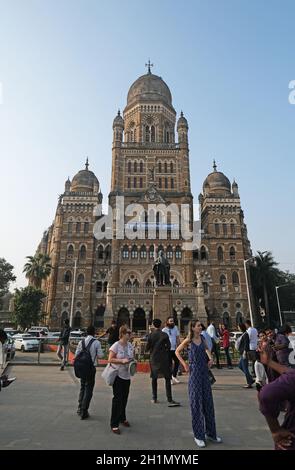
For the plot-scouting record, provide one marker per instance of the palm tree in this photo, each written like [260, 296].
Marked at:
[264, 275]
[37, 269]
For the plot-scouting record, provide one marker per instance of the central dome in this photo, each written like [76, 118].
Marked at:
[149, 87]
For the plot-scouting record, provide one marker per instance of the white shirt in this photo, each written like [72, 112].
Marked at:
[95, 348]
[208, 339]
[173, 334]
[212, 332]
[253, 336]
[123, 352]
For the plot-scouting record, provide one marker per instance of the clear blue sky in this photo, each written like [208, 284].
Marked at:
[66, 67]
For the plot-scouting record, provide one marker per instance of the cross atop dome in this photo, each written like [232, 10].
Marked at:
[86, 164]
[149, 65]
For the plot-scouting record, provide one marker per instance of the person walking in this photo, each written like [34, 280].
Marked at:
[242, 345]
[173, 334]
[158, 344]
[121, 353]
[211, 330]
[200, 392]
[253, 343]
[87, 383]
[225, 343]
[113, 333]
[63, 348]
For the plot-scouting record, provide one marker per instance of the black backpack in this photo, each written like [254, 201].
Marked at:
[83, 364]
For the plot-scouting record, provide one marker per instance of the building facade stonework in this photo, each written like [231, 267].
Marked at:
[95, 280]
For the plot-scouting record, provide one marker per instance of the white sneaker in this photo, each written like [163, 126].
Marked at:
[217, 440]
[175, 380]
[199, 442]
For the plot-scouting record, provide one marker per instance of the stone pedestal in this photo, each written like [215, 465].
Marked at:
[162, 303]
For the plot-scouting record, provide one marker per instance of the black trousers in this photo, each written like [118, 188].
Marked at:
[216, 352]
[175, 359]
[86, 391]
[119, 403]
[228, 358]
[168, 389]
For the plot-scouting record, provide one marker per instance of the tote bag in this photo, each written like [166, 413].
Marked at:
[109, 374]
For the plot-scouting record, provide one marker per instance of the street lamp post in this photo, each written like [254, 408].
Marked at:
[278, 301]
[247, 285]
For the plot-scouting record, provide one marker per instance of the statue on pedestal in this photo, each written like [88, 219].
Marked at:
[161, 270]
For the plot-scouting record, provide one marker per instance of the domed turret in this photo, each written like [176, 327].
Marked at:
[182, 122]
[118, 121]
[85, 181]
[118, 127]
[182, 129]
[216, 183]
[68, 185]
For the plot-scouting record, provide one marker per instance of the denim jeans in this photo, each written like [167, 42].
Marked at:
[243, 365]
[62, 353]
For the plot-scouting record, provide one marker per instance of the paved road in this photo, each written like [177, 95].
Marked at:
[38, 411]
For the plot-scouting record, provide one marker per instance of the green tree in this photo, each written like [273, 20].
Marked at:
[28, 306]
[6, 276]
[37, 269]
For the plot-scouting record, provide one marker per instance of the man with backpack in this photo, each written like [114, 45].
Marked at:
[87, 353]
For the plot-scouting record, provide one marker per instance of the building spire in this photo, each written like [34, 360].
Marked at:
[214, 165]
[119, 113]
[86, 164]
[149, 65]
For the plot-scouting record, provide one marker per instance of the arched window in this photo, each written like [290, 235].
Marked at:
[232, 253]
[105, 286]
[160, 182]
[141, 167]
[165, 168]
[178, 253]
[70, 251]
[129, 167]
[68, 277]
[239, 318]
[224, 229]
[128, 283]
[131, 136]
[233, 229]
[217, 229]
[129, 183]
[98, 286]
[222, 280]
[77, 320]
[166, 183]
[235, 278]
[143, 252]
[108, 253]
[125, 252]
[134, 182]
[86, 227]
[153, 134]
[80, 280]
[169, 252]
[148, 283]
[78, 227]
[135, 167]
[82, 255]
[100, 252]
[135, 284]
[147, 133]
[166, 136]
[171, 167]
[220, 254]
[134, 252]
[134, 135]
[203, 253]
[140, 182]
[70, 227]
[151, 252]
[195, 254]
[160, 167]
[205, 288]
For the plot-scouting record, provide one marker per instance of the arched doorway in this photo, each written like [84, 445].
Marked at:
[226, 320]
[99, 316]
[186, 317]
[123, 317]
[63, 317]
[139, 322]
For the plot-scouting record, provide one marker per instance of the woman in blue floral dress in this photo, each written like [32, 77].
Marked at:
[200, 393]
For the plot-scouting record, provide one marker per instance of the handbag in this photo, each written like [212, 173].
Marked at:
[109, 374]
[212, 379]
[132, 368]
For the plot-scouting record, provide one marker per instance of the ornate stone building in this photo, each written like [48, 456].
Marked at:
[94, 280]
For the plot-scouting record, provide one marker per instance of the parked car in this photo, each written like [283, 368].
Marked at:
[9, 348]
[25, 342]
[38, 329]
